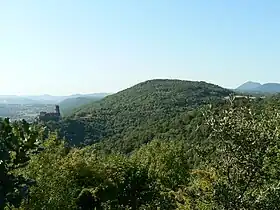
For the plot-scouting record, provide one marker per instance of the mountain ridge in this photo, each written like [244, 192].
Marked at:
[249, 85]
[254, 87]
[45, 98]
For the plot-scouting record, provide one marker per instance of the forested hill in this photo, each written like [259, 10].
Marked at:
[154, 95]
[68, 105]
[126, 120]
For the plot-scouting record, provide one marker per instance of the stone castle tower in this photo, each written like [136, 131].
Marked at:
[57, 111]
[53, 116]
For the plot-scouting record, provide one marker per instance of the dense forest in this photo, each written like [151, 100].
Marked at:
[130, 118]
[162, 144]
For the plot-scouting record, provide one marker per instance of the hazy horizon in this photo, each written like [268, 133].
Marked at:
[54, 95]
[88, 93]
[67, 47]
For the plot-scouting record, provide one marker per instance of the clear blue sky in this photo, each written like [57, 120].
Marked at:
[83, 46]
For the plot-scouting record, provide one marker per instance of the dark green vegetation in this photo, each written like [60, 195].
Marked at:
[17, 142]
[130, 118]
[187, 154]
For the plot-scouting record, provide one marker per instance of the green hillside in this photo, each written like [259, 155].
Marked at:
[132, 117]
[68, 105]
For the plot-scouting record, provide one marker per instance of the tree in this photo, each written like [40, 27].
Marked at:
[244, 150]
[167, 162]
[17, 142]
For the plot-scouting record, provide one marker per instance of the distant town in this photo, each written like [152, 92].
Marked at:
[29, 112]
[44, 107]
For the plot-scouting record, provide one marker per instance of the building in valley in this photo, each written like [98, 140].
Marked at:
[53, 116]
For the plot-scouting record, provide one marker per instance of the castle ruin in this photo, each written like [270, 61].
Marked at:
[47, 116]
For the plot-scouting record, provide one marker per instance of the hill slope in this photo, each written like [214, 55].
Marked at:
[248, 86]
[70, 104]
[126, 120]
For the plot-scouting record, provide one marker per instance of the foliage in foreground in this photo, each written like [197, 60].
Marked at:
[17, 142]
[88, 179]
[241, 167]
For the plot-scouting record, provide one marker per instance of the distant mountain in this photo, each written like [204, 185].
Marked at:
[270, 88]
[17, 100]
[94, 95]
[44, 99]
[254, 87]
[248, 86]
[57, 99]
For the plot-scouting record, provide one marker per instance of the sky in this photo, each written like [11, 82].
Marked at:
[61, 47]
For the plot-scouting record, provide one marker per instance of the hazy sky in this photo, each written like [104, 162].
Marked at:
[84, 46]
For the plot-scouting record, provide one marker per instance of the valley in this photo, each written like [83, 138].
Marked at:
[28, 108]
[24, 111]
